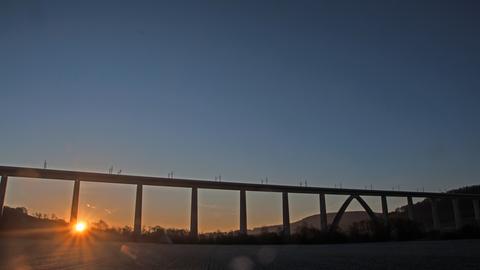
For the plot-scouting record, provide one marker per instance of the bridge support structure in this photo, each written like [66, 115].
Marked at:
[286, 214]
[194, 214]
[3, 192]
[410, 214]
[435, 217]
[75, 199]
[243, 212]
[385, 210]
[323, 213]
[457, 214]
[137, 224]
[476, 210]
[341, 211]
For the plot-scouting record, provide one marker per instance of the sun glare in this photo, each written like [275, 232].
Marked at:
[80, 227]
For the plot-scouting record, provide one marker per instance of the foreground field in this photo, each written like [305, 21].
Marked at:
[85, 254]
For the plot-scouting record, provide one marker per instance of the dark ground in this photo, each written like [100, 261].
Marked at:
[86, 254]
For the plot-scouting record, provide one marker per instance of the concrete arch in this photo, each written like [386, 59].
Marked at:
[341, 211]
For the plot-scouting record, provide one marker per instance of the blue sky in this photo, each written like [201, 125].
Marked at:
[380, 93]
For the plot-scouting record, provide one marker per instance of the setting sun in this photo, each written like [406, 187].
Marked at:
[80, 227]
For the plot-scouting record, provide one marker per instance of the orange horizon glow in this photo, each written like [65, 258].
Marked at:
[168, 207]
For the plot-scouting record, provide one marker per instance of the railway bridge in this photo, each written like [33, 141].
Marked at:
[353, 194]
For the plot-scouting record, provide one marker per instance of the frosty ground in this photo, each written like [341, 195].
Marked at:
[90, 254]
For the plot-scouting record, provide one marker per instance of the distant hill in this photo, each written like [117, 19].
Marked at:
[314, 222]
[19, 219]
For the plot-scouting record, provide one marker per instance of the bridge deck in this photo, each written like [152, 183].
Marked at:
[189, 183]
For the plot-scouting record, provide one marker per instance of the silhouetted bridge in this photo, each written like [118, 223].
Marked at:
[194, 185]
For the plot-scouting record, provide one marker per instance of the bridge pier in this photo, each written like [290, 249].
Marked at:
[137, 225]
[411, 216]
[286, 214]
[476, 210]
[194, 214]
[385, 210]
[3, 191]
[75, 198]
[435, 218]
[243, 212]
[323, 213]
[457, 214]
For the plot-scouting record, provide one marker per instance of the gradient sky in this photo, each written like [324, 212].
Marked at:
[381, 93]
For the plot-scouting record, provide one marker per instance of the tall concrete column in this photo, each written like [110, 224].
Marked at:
[286, 214]
[410, 208]
[385, 210]
[243, 212]
[323, 212]
[476, 210]
[137, 225]
[3, 191]
[75, 198]
[457, 215]
[435, 218]
[194, 214]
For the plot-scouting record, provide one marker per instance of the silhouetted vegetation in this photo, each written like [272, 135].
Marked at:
[399, 229]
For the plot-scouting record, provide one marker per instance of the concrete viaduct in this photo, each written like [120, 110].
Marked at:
[77, 177]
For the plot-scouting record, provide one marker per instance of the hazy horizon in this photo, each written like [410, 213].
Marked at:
[218, 209]
[91, 220]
